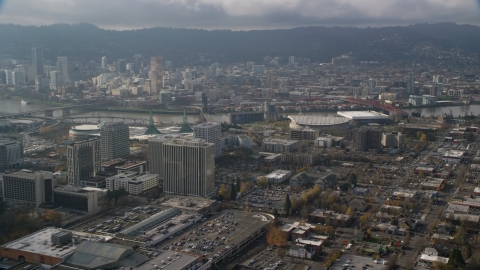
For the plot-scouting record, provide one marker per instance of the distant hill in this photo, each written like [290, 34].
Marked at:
[184, 46]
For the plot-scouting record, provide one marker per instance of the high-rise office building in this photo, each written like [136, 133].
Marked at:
[137, 63]
[156, 74]
[410, 83]
[42, 84]
[187, 166]
[11, 154]
[114, 140]
[28, 188]
[56, 79]
[3, 76]
[83, 160]
[121, 66]
[104, 62]
[37, 61]
[18, 77]
[210, 132]
[64, 66]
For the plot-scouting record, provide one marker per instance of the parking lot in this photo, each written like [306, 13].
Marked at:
[212, 237]
[350, 262]
[266, 198]
[269, 259]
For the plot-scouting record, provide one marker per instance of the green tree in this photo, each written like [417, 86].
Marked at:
[342, 145]
[288, 205]
[455, 259]
[466, 251]
[233, 193]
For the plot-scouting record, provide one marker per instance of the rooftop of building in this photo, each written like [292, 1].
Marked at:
[170, 260]
[363, 115]
[403, 192]
[112, 162]
[94, 255]
[40, 243]
[188, 202]
[24, 173]
[278, 174]
[453, 153]
[86, 128]
[130, 164]
[430, 181]
[314, 120]
[455, 208]
[279, 141]
[132, 176]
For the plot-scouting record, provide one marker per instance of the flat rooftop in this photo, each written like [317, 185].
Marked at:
[363, 115]
[314, 120]
[170, 260]
[86, 128]
[434, 182]
[247, 224]
[40, 243]
[188, 202]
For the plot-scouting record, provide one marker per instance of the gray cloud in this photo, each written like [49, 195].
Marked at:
[238, 14]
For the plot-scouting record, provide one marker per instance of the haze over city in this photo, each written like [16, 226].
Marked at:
[238, 15]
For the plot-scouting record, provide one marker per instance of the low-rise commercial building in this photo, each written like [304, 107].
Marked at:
[304, 134]
[39, 247]
[279, 145]
[133, 182]
[431, 183]
[77, 198]
[278, 176]
[452, 156]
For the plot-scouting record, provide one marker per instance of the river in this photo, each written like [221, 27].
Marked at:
[15, 106]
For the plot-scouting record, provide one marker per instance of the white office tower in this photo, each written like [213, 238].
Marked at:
[291, 60]
[187, 166]
[104, 62]
[438, 79]
[28, 188]
[83, 160]
[210, 132]
[64, 66]
[56, 79]
[11, 154]
[114, 140]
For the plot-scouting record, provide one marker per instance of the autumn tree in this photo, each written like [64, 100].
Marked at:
[224, 191]
[262, 181]
[276, 237]
[246, 186]
[349, 211]
[54, 217]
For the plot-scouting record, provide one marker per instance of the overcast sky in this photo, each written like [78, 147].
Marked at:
[238, 14]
